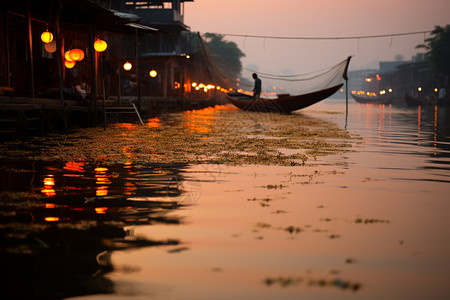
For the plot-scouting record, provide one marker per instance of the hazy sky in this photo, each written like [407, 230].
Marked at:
[318, 18]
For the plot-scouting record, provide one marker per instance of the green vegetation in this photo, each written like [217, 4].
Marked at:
[438, 49]
[225, 49]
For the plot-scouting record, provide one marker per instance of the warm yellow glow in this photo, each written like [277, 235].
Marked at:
[100, 45]
[52, 219]
[47, 37]
[49, 181]
[67, 56]
[76, 54]
[435, 90]
[194, 84]
[101, 210]
[48, 192]
[100, 169]
[74, 166]
[102, 180]
[419, 89]
[127, 66]
[390, 90]
[50, 205]
[188, 56]
[153, 123]
[69, 64]
[101, 192]
[153, 73]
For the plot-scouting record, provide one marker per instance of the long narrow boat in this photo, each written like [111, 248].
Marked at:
[415, 101]
[283, 104]
[373, 100]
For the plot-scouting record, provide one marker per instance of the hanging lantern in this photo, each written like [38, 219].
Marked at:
[67, 56]
[50, 47]
[127, 66]
[76, 54]
[47, 36]
[69, 64]
[153, 73]
[100, 45]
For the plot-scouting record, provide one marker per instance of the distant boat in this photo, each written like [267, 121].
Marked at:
[415, 101]
[285, 103]
[373, 99]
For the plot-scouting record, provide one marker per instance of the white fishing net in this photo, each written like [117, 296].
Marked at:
[220, 68]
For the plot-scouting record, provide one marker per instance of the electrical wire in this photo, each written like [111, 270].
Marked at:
[325, 38]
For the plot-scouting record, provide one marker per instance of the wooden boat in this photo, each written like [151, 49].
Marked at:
[373, 100]
[285, 103]
[415, 101]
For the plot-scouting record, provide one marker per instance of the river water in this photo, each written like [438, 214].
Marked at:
[371, 223]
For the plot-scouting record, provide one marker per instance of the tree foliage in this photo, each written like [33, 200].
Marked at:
[438, 49]
[226, 53]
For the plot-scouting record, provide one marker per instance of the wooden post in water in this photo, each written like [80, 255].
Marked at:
[345, 76]
[346, 103]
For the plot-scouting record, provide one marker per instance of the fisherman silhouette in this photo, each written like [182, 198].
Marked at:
[257, 88]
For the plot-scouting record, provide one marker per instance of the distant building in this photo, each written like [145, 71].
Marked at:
[389, 66]
[415, 78]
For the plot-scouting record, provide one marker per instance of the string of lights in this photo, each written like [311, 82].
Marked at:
[325, 38]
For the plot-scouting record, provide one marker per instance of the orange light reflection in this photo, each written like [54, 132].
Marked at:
[74, 166]
[101, 210]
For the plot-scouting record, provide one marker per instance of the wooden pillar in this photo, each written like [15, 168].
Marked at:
[59, 55]
[165, 78]
[138, 79]
[6, 71]
[94, 70]
[30, 46]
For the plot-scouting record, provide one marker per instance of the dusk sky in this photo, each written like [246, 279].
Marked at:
[318, 18]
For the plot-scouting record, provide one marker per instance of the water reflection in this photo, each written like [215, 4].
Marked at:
[419, 132]
[59, 222]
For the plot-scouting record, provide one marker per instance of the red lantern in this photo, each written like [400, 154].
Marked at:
[67, 56]
[76, 54]
[69, 64]
[47, 36]
[100, 45]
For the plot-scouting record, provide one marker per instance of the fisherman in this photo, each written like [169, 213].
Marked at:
[257, 88]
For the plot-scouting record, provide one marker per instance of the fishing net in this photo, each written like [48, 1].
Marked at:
[220, 69]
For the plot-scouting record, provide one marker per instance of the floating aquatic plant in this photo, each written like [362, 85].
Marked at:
[215, 135]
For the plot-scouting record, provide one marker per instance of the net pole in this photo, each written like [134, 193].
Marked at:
[345, 76]
[346, 103]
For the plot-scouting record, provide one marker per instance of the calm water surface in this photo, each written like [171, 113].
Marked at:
[368, 224]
